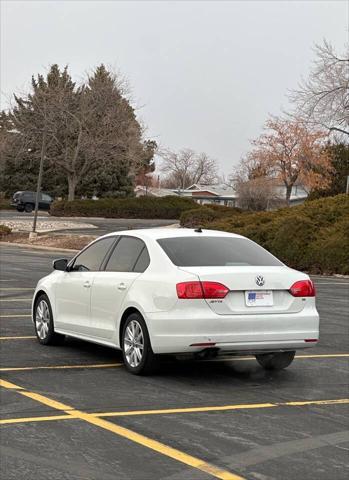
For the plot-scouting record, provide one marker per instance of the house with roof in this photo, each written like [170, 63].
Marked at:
[207, 194]
[218, 194]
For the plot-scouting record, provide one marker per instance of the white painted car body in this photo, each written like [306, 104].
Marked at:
[90, 305]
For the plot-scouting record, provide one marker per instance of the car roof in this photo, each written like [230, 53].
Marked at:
[161, 232]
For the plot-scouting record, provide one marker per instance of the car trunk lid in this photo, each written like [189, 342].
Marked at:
[252, 290]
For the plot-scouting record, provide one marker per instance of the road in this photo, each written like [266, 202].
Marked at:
[102, 225]
[73, 412]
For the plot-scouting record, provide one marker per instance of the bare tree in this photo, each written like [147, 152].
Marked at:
[254, 184]
[187, 167]
[257, 194]
[323, 99]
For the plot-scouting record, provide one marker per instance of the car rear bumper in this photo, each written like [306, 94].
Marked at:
[246, 333]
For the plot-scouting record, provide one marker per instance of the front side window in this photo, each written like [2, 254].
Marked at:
[216, 252]
[92, 257]
[128, 253]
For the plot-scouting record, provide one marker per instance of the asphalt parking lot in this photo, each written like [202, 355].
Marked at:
[73, 412]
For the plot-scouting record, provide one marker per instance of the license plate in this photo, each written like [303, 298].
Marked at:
[259, 298]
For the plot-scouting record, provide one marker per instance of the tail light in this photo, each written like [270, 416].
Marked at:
[303, 288]
[190, 290]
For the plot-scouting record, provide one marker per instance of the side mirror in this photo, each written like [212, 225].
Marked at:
[60, 264]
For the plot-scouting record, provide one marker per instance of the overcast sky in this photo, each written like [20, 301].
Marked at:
[205, 75]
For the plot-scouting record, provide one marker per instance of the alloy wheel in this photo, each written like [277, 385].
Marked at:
[134, 343]
[42, 319]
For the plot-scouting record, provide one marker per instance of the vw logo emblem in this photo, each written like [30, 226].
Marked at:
[260, 280]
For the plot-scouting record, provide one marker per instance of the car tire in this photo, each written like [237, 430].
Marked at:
[275, 361]
[28, 207]
[139, 359]
[43, 322]
[20, 208]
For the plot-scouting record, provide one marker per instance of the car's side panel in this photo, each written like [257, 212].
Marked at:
[73, 296]
[108, 292]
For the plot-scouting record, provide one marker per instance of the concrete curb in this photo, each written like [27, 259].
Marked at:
[38, 247]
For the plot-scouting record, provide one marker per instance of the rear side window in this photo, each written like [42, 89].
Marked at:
[45, 197]
[92, 257]
[216, 252]
[126, 255]
[143, 261]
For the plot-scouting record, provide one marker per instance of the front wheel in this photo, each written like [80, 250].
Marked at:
[138, 355]
[20, 208]
[43, 322]
[275, 361]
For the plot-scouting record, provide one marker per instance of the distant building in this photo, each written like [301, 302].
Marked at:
[218, 194]
[141, 191]
[298, 193]
[210, 194]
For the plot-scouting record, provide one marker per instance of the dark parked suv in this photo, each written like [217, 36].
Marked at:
[25, 201]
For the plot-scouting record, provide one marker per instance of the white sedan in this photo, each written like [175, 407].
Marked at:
[173, 291]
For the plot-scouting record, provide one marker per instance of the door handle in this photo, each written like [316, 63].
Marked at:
[122, 286]
[87, 284]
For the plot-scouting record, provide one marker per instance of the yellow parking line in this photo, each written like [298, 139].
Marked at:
[110, 365]
[169, 411]
[126, 433]
[17, 338]
[59, 367]
[9, 421]
[223, 408]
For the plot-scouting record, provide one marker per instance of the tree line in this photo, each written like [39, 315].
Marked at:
[92, 143]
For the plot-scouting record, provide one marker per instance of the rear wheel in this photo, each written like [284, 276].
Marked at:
[275, 361]
[43, 322]
[138, 355]
[28, 207]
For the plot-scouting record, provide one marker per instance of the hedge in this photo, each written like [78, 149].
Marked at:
[169, 207]
[313, 236]
[5, 204]
[4, 230]
[198, 216]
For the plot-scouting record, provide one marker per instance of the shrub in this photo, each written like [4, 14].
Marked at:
[330, 251]
[169, 207]
[5, 204]
[4, 230]
[313, 236]
[206, 213]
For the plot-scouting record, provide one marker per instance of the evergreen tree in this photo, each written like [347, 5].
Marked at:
[339, 153]
[93, 141]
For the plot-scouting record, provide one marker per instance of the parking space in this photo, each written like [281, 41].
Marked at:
[73, 412]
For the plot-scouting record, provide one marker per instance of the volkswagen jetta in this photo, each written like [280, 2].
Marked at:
[173, 291]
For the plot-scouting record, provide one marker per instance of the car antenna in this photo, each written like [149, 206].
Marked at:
[198, 230]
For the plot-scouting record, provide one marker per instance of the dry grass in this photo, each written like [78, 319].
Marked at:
[74, 242]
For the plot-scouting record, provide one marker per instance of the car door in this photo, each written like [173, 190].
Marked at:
[73, 290]
[126, 262]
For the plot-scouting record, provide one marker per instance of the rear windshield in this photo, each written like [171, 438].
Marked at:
[216, 252]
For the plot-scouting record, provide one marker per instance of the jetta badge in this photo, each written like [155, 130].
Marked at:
[260, 280]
